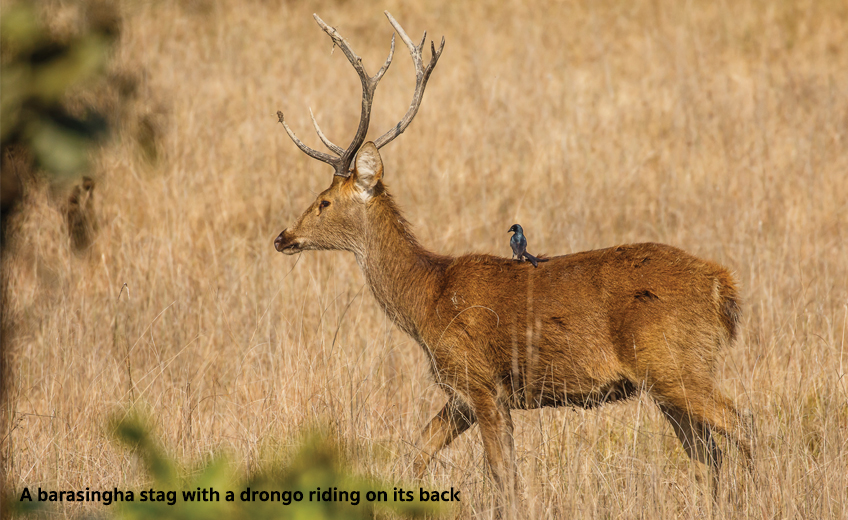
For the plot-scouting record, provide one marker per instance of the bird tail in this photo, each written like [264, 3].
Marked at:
[535, 261]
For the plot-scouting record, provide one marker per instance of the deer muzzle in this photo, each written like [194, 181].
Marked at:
[285, 243]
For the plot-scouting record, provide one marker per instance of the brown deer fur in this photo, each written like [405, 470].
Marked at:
[582, 330]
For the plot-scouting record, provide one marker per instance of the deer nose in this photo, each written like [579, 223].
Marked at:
[278, 242]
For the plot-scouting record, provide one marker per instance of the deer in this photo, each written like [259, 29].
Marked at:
[585, 329]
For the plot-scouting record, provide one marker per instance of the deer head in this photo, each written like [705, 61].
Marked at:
[336, 219]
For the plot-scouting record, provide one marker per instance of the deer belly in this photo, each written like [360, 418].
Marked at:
[551, 391]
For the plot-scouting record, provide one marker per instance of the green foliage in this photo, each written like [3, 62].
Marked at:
[37, 72]
[316, 461]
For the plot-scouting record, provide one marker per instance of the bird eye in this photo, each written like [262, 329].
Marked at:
[324, 204]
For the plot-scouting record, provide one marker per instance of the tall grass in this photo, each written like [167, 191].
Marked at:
[720, 128]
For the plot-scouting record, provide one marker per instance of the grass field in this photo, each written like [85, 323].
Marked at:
[717, 127]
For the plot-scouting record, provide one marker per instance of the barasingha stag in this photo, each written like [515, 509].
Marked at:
[584, 329]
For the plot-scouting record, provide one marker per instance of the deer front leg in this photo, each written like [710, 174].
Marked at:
[448, 424]
[508, 442]
[496, 430]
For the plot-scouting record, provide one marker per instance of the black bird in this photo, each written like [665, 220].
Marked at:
[518, 243]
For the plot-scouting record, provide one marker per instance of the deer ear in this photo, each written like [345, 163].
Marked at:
[368, 170]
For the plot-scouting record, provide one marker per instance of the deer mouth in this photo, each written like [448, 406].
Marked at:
[287, 247]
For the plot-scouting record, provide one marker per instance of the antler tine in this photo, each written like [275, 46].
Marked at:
[422, 75]
[315, 154]
[338, 40]
[402, 33]
[385, 67]
[334, 147]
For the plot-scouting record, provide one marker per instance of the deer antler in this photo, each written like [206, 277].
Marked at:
[343, 157]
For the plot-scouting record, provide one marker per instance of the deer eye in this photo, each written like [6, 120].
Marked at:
[323, 204]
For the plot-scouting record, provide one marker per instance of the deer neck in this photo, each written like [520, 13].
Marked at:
[403, 276]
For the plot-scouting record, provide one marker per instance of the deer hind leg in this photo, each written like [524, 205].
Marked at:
[719, 414]
[694, 421]
[738, 427]
[696, 438]
[448, 424]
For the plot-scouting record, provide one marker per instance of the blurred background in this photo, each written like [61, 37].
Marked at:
[147, 177]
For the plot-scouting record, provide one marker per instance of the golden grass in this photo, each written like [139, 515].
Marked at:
[717, 127]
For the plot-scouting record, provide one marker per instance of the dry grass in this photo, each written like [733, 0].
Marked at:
[717, 127]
